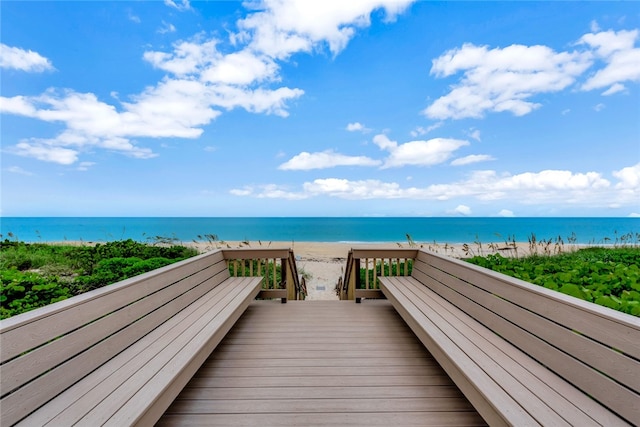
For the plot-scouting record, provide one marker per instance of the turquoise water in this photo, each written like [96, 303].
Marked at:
[442, 230]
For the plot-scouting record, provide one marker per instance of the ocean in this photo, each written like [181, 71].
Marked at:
[352, 229]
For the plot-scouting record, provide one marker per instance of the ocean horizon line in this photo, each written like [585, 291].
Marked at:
[317, 216]
[321, 229]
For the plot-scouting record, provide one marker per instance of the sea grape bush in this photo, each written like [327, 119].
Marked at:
[112, 270]
[35, 275]
[24, 291]
[605, 276]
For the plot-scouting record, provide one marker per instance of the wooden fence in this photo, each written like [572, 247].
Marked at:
[276, 266]
[374, 263]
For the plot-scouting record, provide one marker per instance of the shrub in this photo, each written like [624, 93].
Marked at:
[24, 291]
[605, 276]
[36, 274]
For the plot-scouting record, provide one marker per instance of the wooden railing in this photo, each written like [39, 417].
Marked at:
[364, 266]
[276, 266]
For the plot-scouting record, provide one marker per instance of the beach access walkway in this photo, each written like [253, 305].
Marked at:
[310, 363]
[225, 338]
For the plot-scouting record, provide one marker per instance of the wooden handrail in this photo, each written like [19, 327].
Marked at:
[391, 261]
[284, 284]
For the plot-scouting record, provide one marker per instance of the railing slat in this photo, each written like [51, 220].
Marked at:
[367, 259]
[274, 275]
[375, 273]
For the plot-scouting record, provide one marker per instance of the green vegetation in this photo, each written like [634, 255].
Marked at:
[607, 276]
[254, 267]
[33, 275]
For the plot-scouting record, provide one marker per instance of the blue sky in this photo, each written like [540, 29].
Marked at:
[333, 108]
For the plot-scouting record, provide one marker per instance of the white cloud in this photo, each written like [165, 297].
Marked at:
[629, 177]
[242, 192]
[280, 28]
[357, 190]
[461, 210]
[269, 191]
[23, 60]
[46, 152]
[157, 113]
[20, 105]
[606, 43]
[548, 186]
[255, 101]
[599, 107]
[18, 170]
[324, 160]
[242, 68]
[634, 215]
[187, 57]
[383, 141]
[505, 79]
[181, 6]
[357, 127]
[132, 17]
[506, 213]
[88, 122]
[474, 134]
[622, 58]
[473, 158]
[615, 88]
[166, 27]
[502, 79]
[417, 153]
[420, 131]
[201, 59]
[84, 166]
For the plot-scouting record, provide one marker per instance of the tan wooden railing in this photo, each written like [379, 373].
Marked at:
[376, 263]
[276, 266]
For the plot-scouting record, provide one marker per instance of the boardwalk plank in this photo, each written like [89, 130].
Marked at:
[220, 393]
[353, 405]
[327, 381]
[319, 362]
[461, 419]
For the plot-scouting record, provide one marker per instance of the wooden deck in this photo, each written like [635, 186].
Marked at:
[321, 363]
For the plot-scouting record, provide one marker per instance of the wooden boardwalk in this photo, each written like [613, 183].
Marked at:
[321, 363]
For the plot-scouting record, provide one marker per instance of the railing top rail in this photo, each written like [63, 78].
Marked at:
[359, 253]
[256, 253]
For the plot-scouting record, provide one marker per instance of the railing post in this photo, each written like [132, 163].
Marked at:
[353, 280]
[287, 275]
